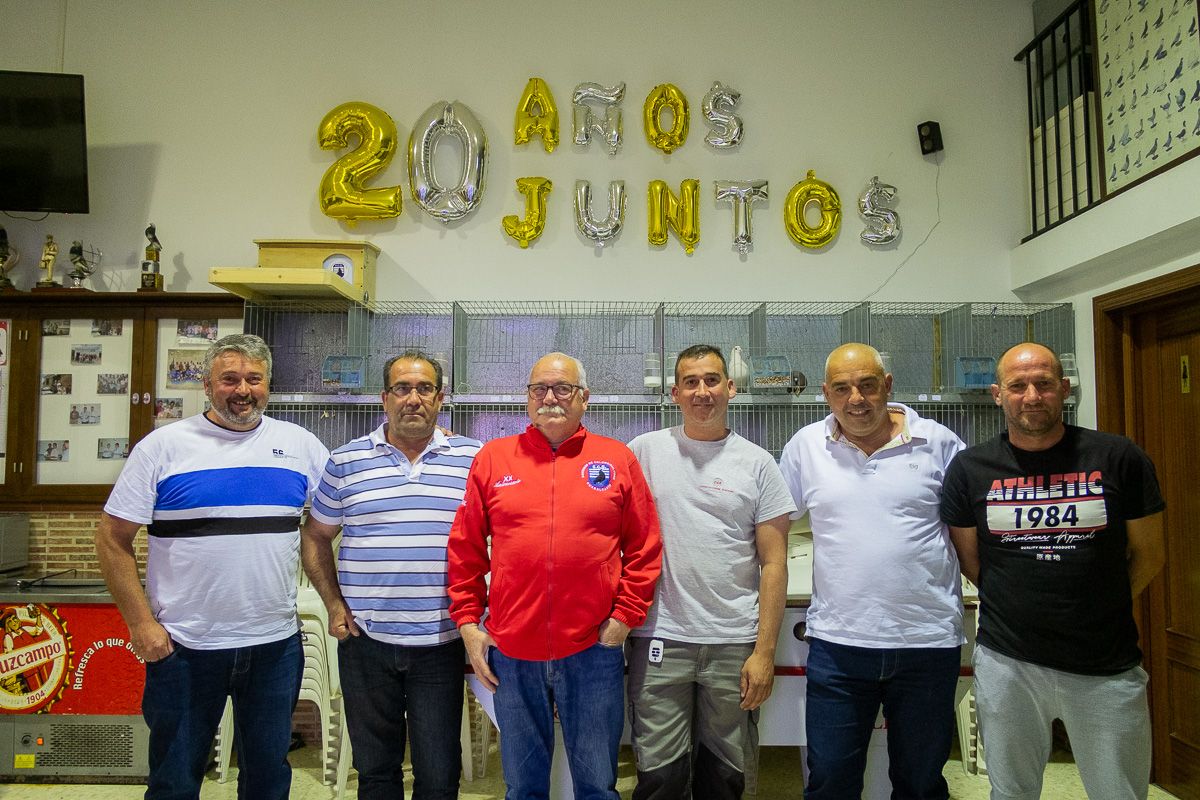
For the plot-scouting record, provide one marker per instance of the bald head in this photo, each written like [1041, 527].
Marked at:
[854, 354]
[1027, 353]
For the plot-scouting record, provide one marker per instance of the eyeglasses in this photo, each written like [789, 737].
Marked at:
[562, 391]
[402, 390]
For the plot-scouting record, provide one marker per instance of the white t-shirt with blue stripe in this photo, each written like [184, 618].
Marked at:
[395, 519]
[223, 512]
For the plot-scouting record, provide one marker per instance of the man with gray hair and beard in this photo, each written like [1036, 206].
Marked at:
[575, 553]
[221, 494]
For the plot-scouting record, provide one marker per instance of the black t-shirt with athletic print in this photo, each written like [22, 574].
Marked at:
[1053, 569]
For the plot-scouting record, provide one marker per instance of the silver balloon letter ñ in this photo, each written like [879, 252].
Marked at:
[586, 123]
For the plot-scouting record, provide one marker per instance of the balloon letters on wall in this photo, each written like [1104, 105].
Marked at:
[544, 122]
[603, 230]
[718, 105]
[585, 122]
[530, 228]
[666, 95]
[343, 193]
[682, 215]
[742, 195]
[883, 223]
[447, 119]
[811, 190]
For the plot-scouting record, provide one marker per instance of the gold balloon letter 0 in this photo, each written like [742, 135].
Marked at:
[811, 190]
[343, 193]
[530, 228]
[544, 123]
[682, 215]
[666, 95]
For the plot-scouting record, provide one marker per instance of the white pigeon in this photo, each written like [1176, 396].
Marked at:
[739, 370]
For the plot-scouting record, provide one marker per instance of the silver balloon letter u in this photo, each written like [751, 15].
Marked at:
[599, 231]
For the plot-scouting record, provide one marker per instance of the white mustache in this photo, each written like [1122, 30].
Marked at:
[552, 411]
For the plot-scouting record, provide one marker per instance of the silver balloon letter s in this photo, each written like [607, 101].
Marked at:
[718, 108]
[742, 195]
[586, 123]
[883, 223]
[447, 119]
[599, 231]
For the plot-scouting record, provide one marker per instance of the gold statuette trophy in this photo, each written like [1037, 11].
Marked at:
[152, 279]
[49, 256]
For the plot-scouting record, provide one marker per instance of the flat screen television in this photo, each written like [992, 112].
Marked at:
[43, 143]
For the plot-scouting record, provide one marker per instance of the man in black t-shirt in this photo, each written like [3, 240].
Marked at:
[1060, 527]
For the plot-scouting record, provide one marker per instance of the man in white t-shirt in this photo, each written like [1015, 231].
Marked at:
[885, 624]
[704, 660]
[221, 495]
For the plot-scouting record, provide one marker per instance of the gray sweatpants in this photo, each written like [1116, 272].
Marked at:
[1106, 716]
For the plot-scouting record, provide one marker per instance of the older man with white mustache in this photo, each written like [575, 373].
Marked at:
[574, 557]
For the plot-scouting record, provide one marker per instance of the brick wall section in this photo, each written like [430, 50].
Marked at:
[67, 540]
[61, 540]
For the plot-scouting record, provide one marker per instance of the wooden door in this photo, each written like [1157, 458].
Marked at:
[1149, 346]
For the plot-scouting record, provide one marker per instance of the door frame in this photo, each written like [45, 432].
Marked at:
[1121, 409]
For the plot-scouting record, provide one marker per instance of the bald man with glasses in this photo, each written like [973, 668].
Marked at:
[393, 494]
[575, 554]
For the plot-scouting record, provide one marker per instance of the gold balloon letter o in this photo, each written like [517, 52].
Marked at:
[811, 190]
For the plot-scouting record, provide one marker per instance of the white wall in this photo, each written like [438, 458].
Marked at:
[202, 118]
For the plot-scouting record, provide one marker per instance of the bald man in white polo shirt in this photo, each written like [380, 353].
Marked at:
[885, 624]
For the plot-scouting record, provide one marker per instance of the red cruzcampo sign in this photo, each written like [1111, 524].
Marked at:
[67, 659]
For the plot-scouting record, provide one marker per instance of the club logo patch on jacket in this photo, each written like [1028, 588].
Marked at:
[598, 474]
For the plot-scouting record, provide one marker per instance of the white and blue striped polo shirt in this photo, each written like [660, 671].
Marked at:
[395, 519]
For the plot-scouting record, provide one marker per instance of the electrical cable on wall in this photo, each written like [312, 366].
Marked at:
[938, 195]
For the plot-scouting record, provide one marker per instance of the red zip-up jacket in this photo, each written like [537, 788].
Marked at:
[574, 541]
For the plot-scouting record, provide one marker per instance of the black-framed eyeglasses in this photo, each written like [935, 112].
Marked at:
[562, 391]
[403, 390]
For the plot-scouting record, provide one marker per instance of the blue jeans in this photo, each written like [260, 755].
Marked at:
[183, 702]
[846, 686]
[391, 688]
[588, 689]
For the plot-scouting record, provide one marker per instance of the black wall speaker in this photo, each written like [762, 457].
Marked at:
[930, 136]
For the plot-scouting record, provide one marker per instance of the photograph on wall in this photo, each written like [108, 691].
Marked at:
[56, 383]
[56, 327]
[1148, 56]
[107, 327]
[84, 414]
[85, 354]
[112, 383]
[168, 409]
[112, 448]
[54, 450]
[185, 369]
[197, 331]
[3, 342]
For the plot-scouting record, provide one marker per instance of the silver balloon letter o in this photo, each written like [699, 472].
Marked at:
[447, 119]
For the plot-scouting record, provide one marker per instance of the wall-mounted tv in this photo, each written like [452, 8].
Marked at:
[43, 143]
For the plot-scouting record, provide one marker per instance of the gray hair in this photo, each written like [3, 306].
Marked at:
[252, 347]
[578, 367]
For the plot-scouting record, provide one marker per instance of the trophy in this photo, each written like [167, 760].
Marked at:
[49, 256]
[152, 279]
[9, 256]
[84, 260]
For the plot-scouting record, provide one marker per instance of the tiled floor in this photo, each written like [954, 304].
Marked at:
[778, 780]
